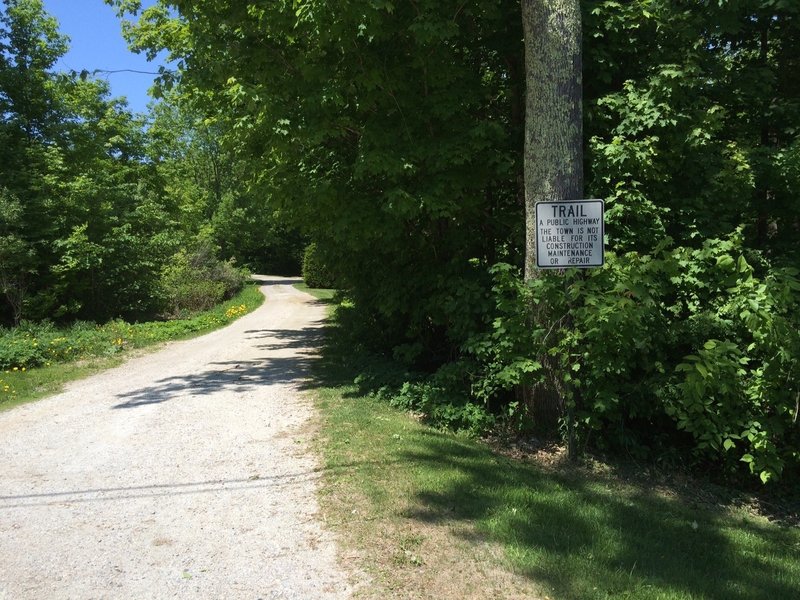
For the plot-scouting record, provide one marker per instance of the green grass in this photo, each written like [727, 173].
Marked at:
[44, 381]
[571, 533]
[37, 359]
[318, 293]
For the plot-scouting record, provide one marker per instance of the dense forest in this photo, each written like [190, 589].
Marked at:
[389, 136]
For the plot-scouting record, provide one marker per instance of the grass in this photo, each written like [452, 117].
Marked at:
[38, 383]
[429, 514]
[318, 293]
[413, 502]
[38, 359]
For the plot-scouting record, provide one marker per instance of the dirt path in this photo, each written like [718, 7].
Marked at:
[180, 474]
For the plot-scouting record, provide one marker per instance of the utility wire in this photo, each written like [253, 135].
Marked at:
[111, 71]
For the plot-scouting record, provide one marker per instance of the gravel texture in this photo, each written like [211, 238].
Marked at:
[183, 473]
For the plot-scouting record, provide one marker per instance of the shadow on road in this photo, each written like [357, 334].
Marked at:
[309, 337]
[298, 345]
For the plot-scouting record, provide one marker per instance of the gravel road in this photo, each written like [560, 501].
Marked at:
[184, 473]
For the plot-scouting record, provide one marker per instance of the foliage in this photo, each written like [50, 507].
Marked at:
[257, 236]
[441, 398]
[202, 177]
[364, 146]
[32, 345]
[37, 356]
[315, 272]
[16, 257]
[686, 348]
[195, 281]
[82, 234]
[391, 135]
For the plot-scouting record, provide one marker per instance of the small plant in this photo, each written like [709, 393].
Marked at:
[236, 311]
[7, 392]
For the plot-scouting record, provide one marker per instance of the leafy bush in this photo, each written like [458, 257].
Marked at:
[315, 272]
[197, 280]
[443, 400]
[36, 344]
[690, 350]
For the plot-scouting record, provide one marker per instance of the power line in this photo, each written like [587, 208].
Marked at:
[111, 71]
[84, 73]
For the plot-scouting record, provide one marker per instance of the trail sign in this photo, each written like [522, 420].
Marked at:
[569, 234]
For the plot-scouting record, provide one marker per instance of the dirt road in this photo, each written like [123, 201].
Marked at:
[181, 474]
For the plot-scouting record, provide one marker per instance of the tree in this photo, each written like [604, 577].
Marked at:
[205, 181]
[29, 116]
[383, 131]
[392, 134]
[16, 257]
[553, 144]
[77, 209]
[553, 110]
[30, 45]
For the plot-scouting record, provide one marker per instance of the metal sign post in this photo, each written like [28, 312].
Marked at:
[570, 234]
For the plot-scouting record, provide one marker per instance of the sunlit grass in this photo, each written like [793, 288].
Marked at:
[570, 532]
[573, 534]
[318, 293]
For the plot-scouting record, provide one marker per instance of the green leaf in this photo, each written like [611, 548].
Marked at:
[725, 262]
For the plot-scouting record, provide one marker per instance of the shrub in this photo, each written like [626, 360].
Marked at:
[444, 401]
[32, 345]
[197, 280]
[315, 272]
[36, 344]
[690, 351]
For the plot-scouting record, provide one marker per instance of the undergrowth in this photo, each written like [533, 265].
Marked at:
[31, 348]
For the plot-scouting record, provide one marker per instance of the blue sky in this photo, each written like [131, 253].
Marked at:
[96, 43]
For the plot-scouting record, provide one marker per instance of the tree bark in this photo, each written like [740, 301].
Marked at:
[762, 191]
[553, 145]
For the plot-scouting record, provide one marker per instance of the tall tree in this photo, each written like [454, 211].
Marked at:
[554, 112]
[553, 140]
[383, 130]
[30, 45]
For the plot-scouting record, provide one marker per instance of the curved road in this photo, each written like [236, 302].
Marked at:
[183, 473]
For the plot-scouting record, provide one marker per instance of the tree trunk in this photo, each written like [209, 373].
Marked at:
[762, 191]
[553, 145]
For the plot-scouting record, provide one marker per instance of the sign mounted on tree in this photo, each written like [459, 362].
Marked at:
[569, 234]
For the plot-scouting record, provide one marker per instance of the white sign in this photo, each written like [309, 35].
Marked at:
[569, 234]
